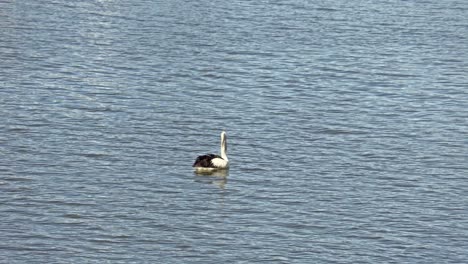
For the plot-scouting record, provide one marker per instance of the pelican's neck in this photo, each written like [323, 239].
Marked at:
[224, 146]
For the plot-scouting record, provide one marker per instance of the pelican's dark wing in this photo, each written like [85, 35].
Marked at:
[205, 161]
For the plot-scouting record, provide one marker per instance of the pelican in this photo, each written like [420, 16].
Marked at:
[211, 162]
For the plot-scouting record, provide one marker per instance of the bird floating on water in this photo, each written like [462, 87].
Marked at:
[211, 162]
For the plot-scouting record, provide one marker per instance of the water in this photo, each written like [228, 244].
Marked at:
[347, 128]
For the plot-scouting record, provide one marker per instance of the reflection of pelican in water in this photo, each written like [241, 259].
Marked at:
[216, 177]
[214, 173]
[212, 162]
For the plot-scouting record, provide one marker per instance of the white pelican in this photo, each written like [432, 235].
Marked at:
[211, 162]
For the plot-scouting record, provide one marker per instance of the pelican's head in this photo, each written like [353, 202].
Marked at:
[223, 143]
[223, 139]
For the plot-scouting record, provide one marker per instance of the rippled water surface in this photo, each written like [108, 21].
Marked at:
[347, 127]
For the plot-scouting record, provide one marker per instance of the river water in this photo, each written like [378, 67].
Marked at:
[347, 126]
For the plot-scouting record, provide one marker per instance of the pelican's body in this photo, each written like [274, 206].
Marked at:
[212, 162]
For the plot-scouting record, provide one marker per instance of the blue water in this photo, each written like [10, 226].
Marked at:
[347, 127]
